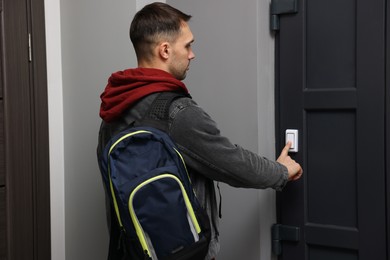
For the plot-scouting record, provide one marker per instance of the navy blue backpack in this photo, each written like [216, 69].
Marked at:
[150, 191]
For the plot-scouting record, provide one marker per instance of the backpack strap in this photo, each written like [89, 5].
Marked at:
[158, 113]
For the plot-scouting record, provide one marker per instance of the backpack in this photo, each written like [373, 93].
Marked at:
[157, 212]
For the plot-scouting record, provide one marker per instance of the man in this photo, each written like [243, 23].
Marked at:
[163, 41]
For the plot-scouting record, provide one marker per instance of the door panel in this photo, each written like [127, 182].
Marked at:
[2, 173]
[388, 124]
[331, 131]
[3, 213]
[2, 224]
[331, 43]
[331, 86]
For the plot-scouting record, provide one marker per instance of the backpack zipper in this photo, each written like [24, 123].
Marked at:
[109, 174]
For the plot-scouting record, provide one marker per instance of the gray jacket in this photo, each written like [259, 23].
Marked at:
[209, 156]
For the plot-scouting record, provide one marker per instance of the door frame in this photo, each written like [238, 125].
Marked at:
[387, 124]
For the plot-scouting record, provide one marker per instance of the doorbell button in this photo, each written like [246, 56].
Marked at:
[292, 136]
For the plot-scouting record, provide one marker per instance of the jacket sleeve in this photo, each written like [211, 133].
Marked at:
[209, 153]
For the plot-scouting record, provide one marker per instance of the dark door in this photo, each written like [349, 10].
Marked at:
[24, 158]
[331, 82]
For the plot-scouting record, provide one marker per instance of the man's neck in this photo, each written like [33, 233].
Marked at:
[152, 65]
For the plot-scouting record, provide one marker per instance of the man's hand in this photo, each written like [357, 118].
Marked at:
[294, 169]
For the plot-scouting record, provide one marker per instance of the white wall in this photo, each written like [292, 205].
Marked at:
[56, 140]
[232, 78]
[266, 121]
[95, 43]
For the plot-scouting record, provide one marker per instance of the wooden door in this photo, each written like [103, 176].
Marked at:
[331, 82]
[24, 158]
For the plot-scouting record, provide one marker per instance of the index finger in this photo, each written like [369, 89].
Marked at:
[286, 148]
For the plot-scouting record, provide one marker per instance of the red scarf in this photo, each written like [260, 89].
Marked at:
[126, 87]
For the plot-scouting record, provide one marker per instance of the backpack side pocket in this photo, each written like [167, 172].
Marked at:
[164, 219]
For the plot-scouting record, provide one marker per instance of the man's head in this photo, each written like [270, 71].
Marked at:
[162, 39]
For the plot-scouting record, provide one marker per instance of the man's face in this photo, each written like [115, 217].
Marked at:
[181, 54]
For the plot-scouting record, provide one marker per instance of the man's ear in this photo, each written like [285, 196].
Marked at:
[164, 50]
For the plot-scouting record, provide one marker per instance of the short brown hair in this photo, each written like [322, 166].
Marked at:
[152, 23]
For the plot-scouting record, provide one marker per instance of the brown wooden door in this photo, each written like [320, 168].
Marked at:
[3, 208]
[24, 158]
